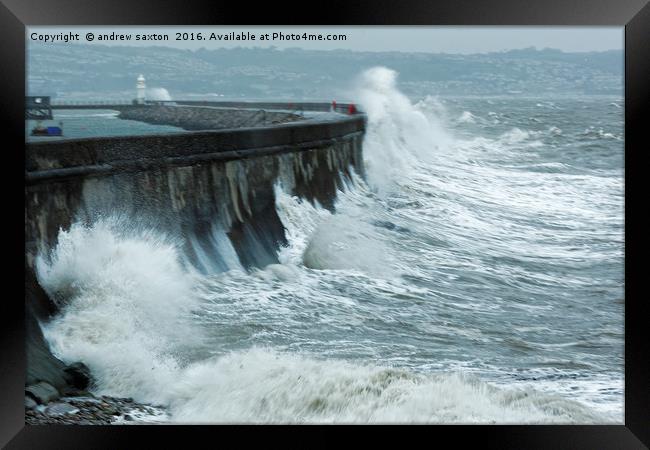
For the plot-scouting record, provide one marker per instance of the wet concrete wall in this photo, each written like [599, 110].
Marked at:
[185, 182]
[194, 186]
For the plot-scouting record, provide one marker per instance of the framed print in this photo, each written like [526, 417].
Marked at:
[381, 215]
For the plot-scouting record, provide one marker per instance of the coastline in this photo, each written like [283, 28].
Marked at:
[88, 409]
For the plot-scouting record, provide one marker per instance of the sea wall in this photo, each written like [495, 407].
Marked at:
[185, 182]
[212, 191]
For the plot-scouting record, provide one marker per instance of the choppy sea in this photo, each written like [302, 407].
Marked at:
[474, 276]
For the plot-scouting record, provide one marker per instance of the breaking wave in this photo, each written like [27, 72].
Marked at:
[220, 348]
[127, 307]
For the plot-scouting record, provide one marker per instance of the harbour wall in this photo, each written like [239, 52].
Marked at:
[210, 190]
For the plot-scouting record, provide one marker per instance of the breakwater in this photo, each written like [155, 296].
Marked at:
[211, 190]
[207, 118]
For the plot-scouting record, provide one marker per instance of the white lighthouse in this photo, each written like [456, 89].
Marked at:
[141, 86]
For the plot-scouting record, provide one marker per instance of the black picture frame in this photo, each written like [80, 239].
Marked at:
[634, 15]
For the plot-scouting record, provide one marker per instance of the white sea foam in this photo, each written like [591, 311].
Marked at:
[515, 136]
[124, 320]
[467, 117]
[399, 135]
[127, 301]
[321, 240]
[262, 385]
[346, 243]
[598, 133]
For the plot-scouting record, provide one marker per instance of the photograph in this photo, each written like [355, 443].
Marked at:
[324, 225]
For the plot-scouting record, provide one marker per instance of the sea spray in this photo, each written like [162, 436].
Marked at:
[126, 305]
[126, 302]
[347, 240]
[399, 135]
[158, 94]
[264, 386]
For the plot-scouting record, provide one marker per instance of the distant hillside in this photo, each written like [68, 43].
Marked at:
[83, 71]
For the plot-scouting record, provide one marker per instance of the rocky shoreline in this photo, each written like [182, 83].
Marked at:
[72, 404]
[87, 409]
[58, 393]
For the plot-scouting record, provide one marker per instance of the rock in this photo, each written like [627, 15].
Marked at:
[42, 365]
[111, 411]
[78, 375]
[42, 392]
[60, 409]
[102, 410]
[74, 392]
[30, 403]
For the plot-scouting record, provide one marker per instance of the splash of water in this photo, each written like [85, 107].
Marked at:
[399, 134]
[158, 94]
[125, 301]
[262, 385]
[324, 241]
[129, 310]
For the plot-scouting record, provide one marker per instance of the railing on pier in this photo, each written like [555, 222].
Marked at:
[92, 103]
[294, 107]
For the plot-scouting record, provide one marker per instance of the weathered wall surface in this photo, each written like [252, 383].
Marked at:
[184, 182]
[185, 200]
